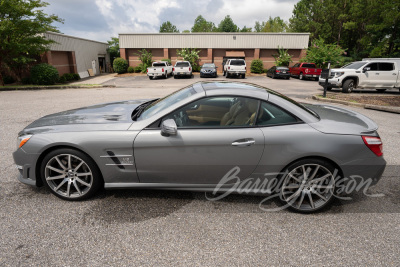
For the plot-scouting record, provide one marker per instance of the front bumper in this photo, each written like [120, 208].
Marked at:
[26, 165]
[208, 74]
[334, 82]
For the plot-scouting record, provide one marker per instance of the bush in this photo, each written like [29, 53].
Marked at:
[120, 65]
[166, 59]
[67, 77]
[265, 70]
[76, 76]
[8, 79]
[196, 68]
[131, 69]
[62, 79]
[137, 69]
[44, 74]
[257, 66]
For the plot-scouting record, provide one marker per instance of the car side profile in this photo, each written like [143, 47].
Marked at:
[191, 139]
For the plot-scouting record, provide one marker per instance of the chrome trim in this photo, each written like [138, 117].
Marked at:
[120, 164]
[19, 167]
[115, 156]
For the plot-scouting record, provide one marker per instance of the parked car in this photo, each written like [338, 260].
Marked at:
[208, 70]
[182, 69]
[235, 67]
[278, 72]
[370, 73]
[159, 69]
[305, 71]
[192, 138]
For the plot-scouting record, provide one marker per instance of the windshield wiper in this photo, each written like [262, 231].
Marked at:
[139, 109]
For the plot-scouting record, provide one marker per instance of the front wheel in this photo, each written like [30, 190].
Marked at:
[301, 77]
[70, 174]
[348, 86]
[308, 185]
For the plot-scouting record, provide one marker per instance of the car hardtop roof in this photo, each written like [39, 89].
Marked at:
[220, 85]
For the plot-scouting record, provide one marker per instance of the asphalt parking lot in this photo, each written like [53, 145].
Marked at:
[160, 228]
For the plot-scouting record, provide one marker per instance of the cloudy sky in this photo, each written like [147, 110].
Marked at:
[101, 19]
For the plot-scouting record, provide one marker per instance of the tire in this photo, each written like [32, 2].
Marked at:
[348, 86]
[75, 175]
[301, 77]
[175, 77]
[381, 90]
[227, 75]
[151, 77]
[224, 74]
[243, 76]
[273, 76]
[165, 75]
[287, 78]
[314, 194]
[329, 88]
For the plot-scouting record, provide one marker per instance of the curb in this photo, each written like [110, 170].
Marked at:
[390, 109]
[53, 87]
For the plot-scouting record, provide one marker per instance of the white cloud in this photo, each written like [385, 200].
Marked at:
[101, 19]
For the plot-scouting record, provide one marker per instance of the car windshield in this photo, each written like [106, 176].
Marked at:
[208, 65]
[354, 65]
[165, 102]
[182, 64]
[237, 62]
[161, 64]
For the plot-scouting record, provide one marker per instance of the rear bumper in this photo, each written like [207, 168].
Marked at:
[364, 171]
[155, 74]
[236, 72]
[176, 73]
[282, 75]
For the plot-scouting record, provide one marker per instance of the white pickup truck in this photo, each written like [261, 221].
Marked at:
[159, 69]
[235, 67]
[370, 73]
[182, 68]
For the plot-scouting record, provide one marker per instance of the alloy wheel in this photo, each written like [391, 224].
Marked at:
[68, 176]
[308, 187]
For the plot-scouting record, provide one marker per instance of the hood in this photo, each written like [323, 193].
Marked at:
[116, 115]
[335, 120]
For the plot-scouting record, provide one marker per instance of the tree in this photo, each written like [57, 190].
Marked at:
[113, 48]
[283, 58]
[271, 25]
[22, 25]
[147, 59]
[185, 31]
[259, 26]
[227, 25]
[245, 29]
[168, 27]
[202, 25]
[191, 55]
[320, 53]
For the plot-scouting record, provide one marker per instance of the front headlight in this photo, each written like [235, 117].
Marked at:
[23, 139]
[338, 74]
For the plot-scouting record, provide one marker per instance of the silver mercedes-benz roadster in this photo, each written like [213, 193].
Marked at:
[210, 136]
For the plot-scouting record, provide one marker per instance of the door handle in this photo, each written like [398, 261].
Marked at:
[376, 73]
[394, 74]
[244, 142]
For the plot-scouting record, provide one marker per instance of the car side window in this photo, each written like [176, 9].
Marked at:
[386, 66]
[373, 66]
[271, 114]
[221, 111]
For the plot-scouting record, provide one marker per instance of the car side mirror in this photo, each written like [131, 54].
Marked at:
[366, 69]
[168, 127]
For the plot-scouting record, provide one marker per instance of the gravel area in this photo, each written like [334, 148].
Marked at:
[381, 100]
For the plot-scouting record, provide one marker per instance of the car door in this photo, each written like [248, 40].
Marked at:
[369, 76]
[387, 75]
[215, 136]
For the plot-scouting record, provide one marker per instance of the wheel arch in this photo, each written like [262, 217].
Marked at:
[354, 78]
[39, 181]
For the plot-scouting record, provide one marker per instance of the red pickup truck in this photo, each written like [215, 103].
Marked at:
[305, 70]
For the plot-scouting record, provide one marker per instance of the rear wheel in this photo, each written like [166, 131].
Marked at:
[308, 185]
[243, 76]
[151, 77]
[381, 90]
[224, 73]
[348, 86]
[70, 174]
[165, 75]
[273, 76]
[227, 75]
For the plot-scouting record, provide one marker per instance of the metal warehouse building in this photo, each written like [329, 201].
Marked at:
[76, 55]
[215, 47]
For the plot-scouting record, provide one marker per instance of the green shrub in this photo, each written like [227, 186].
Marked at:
[137, 69]
[120, 65]
[62, 79]
[257, 66]
[44, 74]
[196, 68]
[76, 76]
[67, 77]
[143, 67]
[131, 69]
[166, 59]
[265, 70]
[8, 79]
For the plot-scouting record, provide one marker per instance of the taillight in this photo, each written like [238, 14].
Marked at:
[147, 70]
[229, 68]
[277, 71]
[173, 69]
[190, 68]
[374, 143]
[162, 70]
[244, 67]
